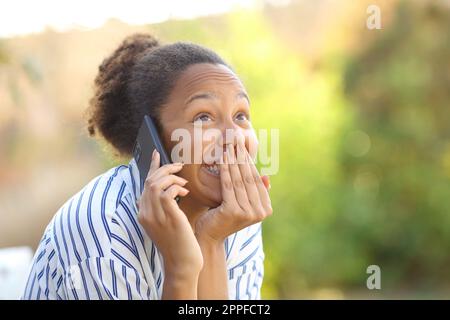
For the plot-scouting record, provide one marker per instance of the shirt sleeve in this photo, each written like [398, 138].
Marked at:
[245, 257]
[44, 272]
[97, 278]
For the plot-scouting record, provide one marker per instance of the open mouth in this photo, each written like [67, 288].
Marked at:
[212, 169]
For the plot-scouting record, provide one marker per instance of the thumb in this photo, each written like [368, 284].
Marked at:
[215, 209]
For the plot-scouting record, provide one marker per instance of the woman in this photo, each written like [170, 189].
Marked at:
[114, 241]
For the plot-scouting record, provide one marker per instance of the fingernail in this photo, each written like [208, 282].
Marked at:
[179, 164]
[153, 153]
[270, 186]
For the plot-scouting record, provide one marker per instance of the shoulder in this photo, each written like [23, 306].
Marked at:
[81, 228]
[96, 224]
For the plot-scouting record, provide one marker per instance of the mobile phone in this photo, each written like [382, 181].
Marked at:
[148, 140]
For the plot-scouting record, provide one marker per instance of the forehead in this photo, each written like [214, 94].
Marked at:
[206, 76]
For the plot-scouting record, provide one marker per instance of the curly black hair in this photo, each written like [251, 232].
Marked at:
[136, 79]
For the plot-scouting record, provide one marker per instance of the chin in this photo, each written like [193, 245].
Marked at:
[211, 201]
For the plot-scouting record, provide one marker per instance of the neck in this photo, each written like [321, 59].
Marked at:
[192, 208]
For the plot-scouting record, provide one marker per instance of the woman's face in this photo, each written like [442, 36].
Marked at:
[213, 96]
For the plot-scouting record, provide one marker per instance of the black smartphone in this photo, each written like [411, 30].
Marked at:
[148, 140]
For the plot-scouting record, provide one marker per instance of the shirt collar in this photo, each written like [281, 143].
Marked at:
[135, 178]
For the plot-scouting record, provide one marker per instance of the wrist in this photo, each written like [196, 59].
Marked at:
[181, 274]
[212, 249]
[182, 270]
[205, 240]
[176, 287]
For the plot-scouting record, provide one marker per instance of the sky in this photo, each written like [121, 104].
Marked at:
[21, 17]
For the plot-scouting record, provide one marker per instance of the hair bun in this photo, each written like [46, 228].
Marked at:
[131, 48]
[110, 98]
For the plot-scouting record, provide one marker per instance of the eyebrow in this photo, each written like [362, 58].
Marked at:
[242, 94]
[212, 96]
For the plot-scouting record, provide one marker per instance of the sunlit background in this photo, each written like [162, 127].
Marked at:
[363, 115]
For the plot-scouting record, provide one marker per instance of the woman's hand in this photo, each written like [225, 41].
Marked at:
[166, 224]
[245, 201]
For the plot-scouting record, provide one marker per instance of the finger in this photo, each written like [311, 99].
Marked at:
[165, 170]
[228, 195]
[157, 210]
[241, 152]
[263, 193]
[249, 180]
[167, 197]
[166, 181]
[149, 206]
[236, 178]
[154, 164]
[150, 196]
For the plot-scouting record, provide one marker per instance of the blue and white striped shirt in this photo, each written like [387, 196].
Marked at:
[94, 248]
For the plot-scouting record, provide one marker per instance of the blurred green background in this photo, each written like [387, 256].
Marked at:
[364, 136]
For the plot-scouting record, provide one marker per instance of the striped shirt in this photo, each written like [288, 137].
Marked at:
[95, 248]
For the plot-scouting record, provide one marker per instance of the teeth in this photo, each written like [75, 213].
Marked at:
[213, 169]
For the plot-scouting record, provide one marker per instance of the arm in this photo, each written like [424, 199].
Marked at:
[212, 283]
[180, 287]
[245, 202]
[169, 228]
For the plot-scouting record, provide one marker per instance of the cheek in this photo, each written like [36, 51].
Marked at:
[189, 173]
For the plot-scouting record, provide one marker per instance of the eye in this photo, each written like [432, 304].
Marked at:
[203, 117]
[242, 116]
